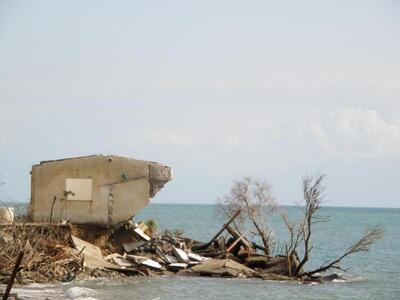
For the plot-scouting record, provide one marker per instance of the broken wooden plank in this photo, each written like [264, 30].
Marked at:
[142, 234]
[163, 256]
[235, 242]
[193, 263]
[209, 253]
[135, 258]
[180, 254]
[206, 245]
[196, 257]
[236, 235]
[143, 226]
[260, 261]
[110, 256]
[171, 259]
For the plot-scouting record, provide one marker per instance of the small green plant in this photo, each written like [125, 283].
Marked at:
[167, 232]
[67, 193]
[178, 232]
[151, 224]
[174, 233]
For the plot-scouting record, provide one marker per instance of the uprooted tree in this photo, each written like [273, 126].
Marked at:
[300, 233]
[254, 199]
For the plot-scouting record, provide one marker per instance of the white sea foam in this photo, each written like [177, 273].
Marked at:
[356, 279]
[37, 292]
[80, 293]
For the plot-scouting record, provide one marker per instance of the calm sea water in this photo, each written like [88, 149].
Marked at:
[372, 276]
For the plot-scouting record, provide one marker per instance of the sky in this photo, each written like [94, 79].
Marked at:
[217, 90]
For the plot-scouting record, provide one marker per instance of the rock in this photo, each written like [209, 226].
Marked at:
[330, 277]
[222, 266]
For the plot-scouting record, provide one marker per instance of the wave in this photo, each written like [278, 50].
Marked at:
[80, 293]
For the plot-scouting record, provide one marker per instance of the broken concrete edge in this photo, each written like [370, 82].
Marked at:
[73, 188]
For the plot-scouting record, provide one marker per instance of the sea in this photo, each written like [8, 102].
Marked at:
[372, 275]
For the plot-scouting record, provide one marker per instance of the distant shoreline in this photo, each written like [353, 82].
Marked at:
[203, 204]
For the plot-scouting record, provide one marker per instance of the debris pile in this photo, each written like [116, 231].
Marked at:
[148, 253]
[65, 252]
[47, 255]
[135, 249]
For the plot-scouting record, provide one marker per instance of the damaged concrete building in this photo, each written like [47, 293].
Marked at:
[101, 190]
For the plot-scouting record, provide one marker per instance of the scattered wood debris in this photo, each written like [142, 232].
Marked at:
[66, 252]
[48, 253]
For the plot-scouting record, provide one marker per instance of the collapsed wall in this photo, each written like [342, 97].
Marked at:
[99, 190]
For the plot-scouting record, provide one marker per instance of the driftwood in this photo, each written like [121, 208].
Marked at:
[47, 252]
[206, 245]
[13, 274]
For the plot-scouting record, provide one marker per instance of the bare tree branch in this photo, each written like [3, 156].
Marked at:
[363, 245]
[254, 198]
[313, 194]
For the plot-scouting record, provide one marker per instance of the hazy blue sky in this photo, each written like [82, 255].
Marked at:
[215, 89]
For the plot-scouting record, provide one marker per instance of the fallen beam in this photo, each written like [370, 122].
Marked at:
[206, 245]
[235, 242]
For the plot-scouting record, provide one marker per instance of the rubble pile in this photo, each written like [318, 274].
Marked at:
[67, 252]
[147, 253]
[47, 255]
